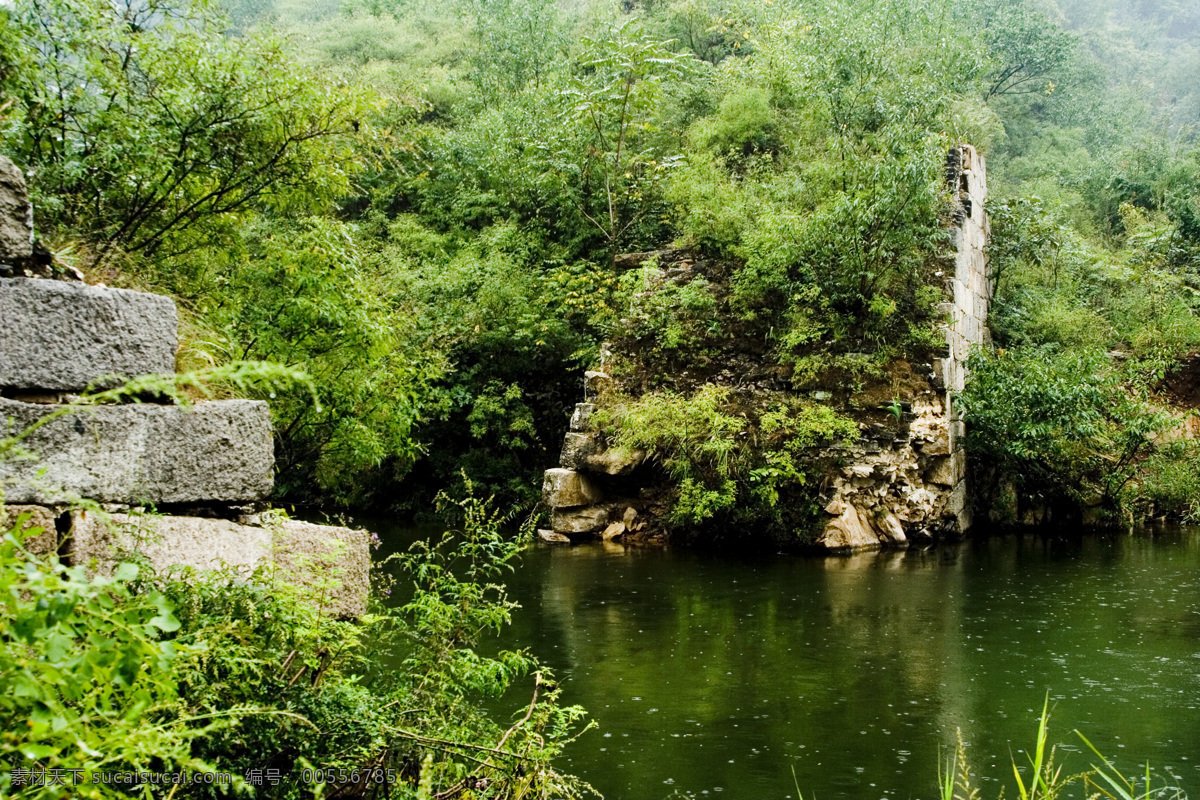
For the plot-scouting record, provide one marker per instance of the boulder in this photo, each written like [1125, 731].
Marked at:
[589, 519]
[858, 529]
[16, 216]
[62, 336]
[329, 564]
[551, 537]
[565, 487]
[850, 531]
[35, 518]
[614, 530]
[140, 454]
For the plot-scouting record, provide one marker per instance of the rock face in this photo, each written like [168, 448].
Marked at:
[16, 216]
[137, 454]
[329, 564]
[64, 336]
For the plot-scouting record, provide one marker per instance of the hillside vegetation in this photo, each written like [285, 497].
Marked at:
[419, 204]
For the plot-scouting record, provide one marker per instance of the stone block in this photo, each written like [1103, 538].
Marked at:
[579, 418]
[947, 470]
[980, 308]
[589, 519]
[972, 330]
[141, 454]
[595, 383]
[948, 374]
[961, 295]
[563, 488]
[100, 541]
[36, 518]
[585, 452]
[330, 565]
[64, 336]
[16, 215]
[977, 282]
[577, 448]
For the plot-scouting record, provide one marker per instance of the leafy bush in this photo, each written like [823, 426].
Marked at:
[731, 462]
[88, 679]
[186, 671]
[1068, 427]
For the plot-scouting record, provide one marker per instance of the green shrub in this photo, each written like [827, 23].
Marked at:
[1066, 426]
[88, 677]
[731, 462]
[227, 672]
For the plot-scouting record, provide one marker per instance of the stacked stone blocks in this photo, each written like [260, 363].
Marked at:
[210, 459]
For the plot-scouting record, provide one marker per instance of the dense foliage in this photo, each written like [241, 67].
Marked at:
[248, 676]
[419, 203]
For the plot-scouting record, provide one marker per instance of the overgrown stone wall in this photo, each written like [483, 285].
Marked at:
[899, 483]
[911, 484]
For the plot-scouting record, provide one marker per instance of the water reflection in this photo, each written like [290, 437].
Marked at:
[711, 674]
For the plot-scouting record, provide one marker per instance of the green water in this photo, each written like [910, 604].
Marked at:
[717, 675]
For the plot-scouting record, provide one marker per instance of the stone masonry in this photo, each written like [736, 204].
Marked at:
[140, 454]
[898, 484]
[209, 459]
[60, 336]
[911, 483]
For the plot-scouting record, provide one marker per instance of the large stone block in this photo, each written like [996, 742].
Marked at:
[141, 454]
[329, 564]
[565, 487]
[64, 336]
[16, 216]
[947, 470]
[590, 519]
[581, 416]
[585, 452]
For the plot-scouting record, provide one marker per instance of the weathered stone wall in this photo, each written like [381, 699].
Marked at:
[61, 336]
[901, 482]
[212, 458]
[912, 485]
[329, 563]
[138, 454]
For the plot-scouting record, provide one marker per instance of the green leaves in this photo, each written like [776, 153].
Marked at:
[149, 129]
[84, 675]
[1068, 425]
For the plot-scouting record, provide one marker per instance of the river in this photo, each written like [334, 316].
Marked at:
[714, 675]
